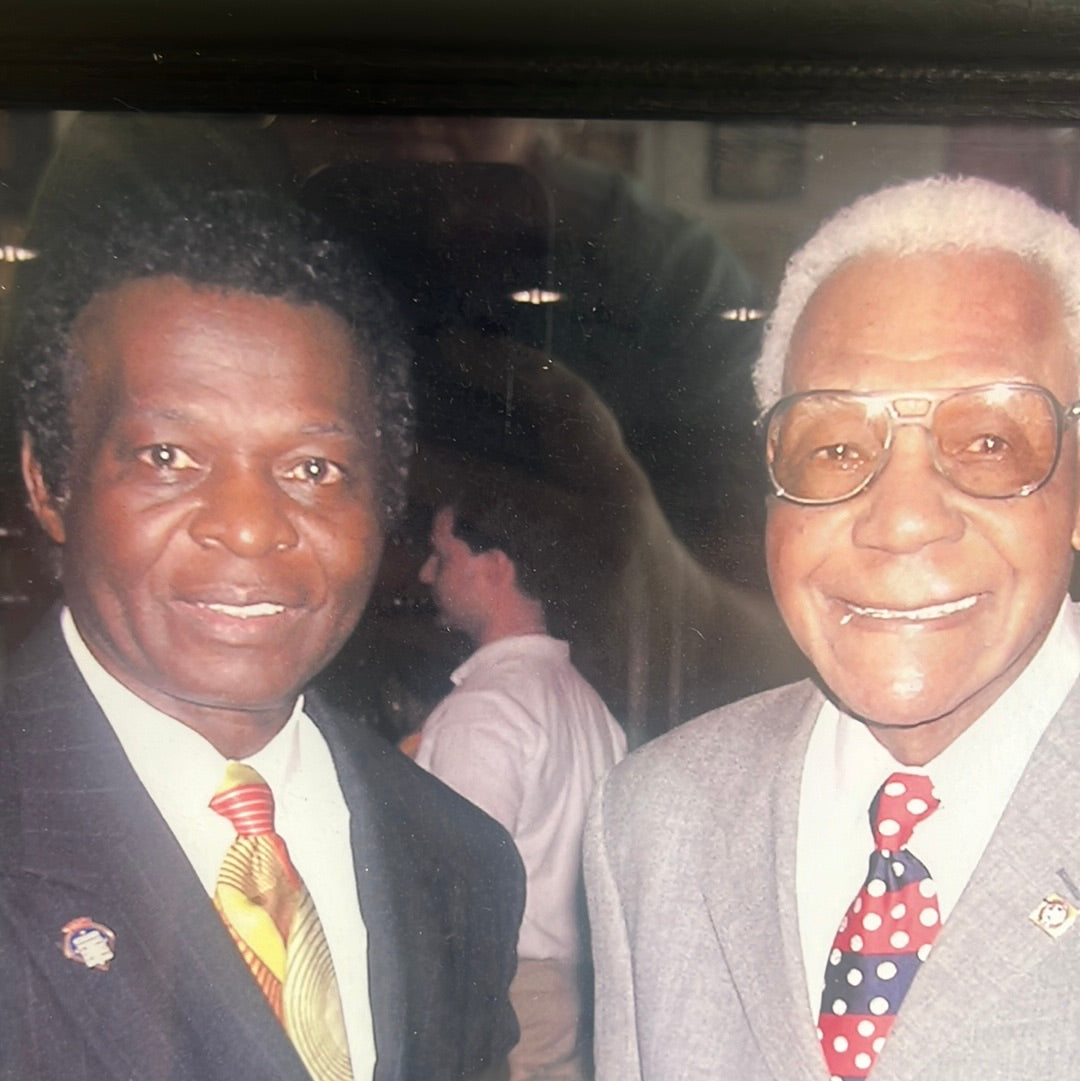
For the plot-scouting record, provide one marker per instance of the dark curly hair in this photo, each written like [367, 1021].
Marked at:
[243, 241]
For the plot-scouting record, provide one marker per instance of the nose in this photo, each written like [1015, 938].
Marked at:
[910, 504]
[427, 571]
[245, 512]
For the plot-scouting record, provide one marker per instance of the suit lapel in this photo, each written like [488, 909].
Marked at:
[989, 948]
[373, 823]
[757, 923]
[91, 843]
[418, 851]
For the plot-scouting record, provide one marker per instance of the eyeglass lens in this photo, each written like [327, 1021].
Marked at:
[992, 442]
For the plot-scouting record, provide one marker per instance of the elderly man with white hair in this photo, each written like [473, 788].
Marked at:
[877, 872]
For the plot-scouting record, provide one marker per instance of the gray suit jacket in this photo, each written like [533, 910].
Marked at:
[690, 867]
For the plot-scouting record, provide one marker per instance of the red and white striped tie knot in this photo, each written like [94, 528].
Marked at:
[245, 799]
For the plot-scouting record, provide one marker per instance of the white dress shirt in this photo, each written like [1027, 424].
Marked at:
[181, 771]
[974, 778]
[527, 739]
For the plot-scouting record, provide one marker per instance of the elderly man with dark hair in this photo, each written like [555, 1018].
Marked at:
[525, 737]
[203, 872]
[920, 382]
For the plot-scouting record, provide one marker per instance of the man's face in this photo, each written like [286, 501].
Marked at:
[456, 576]
[911, 541]
[222, 531]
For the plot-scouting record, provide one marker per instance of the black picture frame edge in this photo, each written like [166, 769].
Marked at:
[955, 61]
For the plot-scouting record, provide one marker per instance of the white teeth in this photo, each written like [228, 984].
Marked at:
[247, 611]
[931, 611]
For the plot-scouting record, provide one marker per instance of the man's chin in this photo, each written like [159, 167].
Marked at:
[905, 703]
[914, 732]
[244, 690]
[897, 724]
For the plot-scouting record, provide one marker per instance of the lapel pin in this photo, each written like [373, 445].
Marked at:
[88, 943]
[1054, 915]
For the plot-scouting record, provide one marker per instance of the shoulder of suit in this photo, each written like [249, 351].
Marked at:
[39, 662]
[745, 738]
[43, 691]
[412, 801]
[458, 833]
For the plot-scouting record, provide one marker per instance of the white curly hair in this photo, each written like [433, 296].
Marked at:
[938, 213]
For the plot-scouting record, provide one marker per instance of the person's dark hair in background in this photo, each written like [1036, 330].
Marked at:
[502, 520]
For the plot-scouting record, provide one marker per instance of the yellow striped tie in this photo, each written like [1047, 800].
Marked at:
[273, 922]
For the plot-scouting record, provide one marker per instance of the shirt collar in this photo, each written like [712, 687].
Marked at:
[533, 644]
[151, 739]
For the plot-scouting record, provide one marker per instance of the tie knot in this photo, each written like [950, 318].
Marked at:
[901, 803]
[245, 799]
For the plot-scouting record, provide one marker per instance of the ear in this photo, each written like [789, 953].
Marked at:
[43, 502]
[501, 567]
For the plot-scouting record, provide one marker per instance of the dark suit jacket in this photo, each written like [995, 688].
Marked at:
[440, 886]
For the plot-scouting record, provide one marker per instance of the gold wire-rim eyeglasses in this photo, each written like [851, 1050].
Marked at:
[905, 407]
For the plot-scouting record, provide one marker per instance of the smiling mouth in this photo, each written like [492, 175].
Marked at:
[260, 610]
[915, 615]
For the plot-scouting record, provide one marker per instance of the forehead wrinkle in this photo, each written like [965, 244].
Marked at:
[107, 340]
[184, 416]
[332, 427]
[166, 413]
[847, 322]
[189, 418]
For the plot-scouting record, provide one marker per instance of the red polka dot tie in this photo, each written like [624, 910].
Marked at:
[885, 936]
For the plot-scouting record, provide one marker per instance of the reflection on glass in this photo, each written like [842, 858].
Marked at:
[587, 299]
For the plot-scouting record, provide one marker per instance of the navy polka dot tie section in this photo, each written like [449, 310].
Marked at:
[886, 934]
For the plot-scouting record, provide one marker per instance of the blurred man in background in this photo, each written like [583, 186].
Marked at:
[526, 738]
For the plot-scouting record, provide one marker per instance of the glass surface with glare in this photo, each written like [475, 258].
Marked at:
[587, 298]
